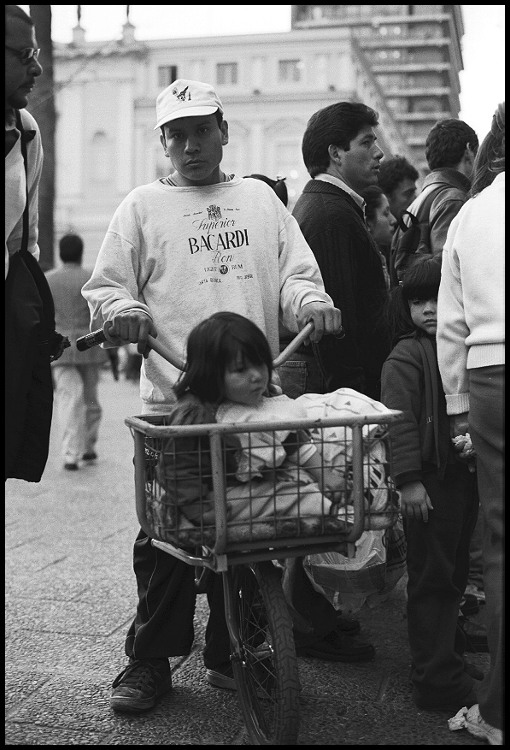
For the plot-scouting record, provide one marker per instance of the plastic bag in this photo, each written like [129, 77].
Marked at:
[376, 568]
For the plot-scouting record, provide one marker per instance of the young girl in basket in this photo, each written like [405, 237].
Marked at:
[272, 476]
[439, 499]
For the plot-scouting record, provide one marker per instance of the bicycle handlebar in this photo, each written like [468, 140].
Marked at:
[98, 337]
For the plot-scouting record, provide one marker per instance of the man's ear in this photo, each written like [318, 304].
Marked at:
[163, 143]
[335, 154]
[224, 132]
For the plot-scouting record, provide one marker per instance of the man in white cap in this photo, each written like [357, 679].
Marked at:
[176, 251]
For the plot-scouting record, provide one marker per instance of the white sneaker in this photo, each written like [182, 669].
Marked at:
[475, 591]
[476, 726]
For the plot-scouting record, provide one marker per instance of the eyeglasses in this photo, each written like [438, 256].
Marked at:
[25, 55]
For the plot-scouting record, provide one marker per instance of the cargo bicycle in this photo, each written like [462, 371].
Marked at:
[249, 554]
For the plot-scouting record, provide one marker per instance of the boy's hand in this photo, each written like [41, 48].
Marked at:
[325, 319]
[131, 327]
[414, 502]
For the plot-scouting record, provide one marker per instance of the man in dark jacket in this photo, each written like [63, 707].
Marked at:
[30, 338]
[450, 150]
[342, 157]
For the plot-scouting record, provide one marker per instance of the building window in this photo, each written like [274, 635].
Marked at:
[290, 71]
[426, 104]
[426, 31]
[226, 74]
[167, 74]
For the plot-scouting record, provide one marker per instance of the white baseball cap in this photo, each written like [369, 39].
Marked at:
[185, 98]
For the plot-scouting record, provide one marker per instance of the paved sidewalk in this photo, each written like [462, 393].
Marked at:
[70, 595]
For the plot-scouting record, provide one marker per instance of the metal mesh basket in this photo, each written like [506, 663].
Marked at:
[247, 487]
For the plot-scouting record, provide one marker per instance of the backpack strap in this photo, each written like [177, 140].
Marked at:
[30, 261]
[24, 238]
[423, 211]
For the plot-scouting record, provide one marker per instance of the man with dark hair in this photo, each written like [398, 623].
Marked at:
[397, 180]
[220, 223]
[30, 338]
[341, 154]
[450, 150]
[75, 374]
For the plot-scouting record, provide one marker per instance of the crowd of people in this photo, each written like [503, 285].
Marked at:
[421, 331]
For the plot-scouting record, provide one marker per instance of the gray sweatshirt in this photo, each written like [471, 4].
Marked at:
[181, 254]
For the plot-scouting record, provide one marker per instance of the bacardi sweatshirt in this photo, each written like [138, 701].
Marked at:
[181, 254]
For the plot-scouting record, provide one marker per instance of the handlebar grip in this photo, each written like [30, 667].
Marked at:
[294, 344]
[91, 339]
[97, 337]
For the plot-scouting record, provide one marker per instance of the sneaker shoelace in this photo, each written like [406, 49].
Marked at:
[137, 675]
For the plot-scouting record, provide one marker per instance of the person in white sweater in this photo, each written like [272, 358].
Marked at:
[471, 358]
[177, 250]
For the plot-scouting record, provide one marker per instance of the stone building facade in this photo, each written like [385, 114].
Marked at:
[270, 84]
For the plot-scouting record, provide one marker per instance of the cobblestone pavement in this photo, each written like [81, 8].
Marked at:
[70, 595]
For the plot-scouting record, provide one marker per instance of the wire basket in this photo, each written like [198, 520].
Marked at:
[232, 487]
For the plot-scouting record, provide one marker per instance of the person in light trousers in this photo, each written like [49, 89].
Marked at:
[76, 374]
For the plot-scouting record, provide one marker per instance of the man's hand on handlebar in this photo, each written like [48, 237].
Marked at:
[130, 327]
[325, 319]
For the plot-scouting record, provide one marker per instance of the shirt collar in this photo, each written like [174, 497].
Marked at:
[325, 177]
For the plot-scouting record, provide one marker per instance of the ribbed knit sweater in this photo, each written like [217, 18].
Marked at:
[471, 299]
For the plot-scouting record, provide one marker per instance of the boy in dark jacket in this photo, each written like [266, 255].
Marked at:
[439, 497]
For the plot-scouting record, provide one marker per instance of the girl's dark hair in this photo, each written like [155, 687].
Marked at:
[212, 346]
[420, 281]
[372, 195]
[490, 159]
[422, 278]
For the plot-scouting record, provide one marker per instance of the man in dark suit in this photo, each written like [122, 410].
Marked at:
[341, 154]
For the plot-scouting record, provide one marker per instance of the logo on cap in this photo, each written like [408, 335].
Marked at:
[182, 95]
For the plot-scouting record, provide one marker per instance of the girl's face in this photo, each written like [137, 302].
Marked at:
[244, 382]
[382, 226]
[424, 314]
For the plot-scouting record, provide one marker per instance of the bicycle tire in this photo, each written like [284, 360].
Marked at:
[266, 674]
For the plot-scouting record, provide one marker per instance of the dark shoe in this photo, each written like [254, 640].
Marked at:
[473, 671]
[90, 456]
[71, 467]
[446, 704]
[221, 677]
[469, 605]
[475, 635]
[139, 686]
[347, 626]
[337, 647]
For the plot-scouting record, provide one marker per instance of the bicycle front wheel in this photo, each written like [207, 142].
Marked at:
[266, 671]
